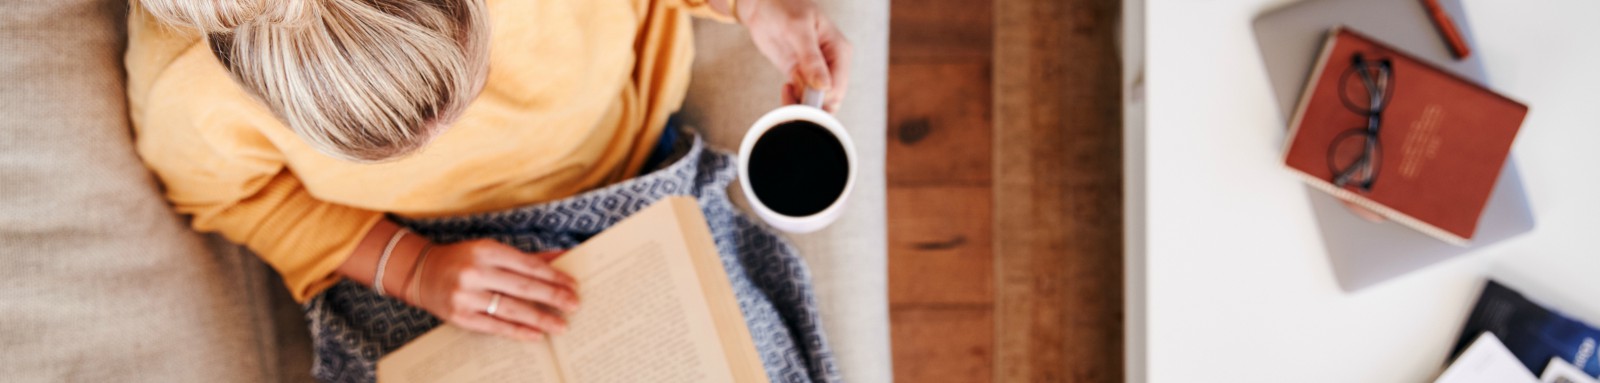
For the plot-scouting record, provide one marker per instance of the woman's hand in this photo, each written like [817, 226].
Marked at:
[459, 281]
[801, 42]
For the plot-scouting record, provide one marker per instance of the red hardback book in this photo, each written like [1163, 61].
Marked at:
[1441, 141]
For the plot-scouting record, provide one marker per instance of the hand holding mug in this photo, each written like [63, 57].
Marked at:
[803, 43]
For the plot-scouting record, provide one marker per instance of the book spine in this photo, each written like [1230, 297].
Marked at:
[1310, 86]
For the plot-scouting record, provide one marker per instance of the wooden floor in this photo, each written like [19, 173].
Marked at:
[1004, 169]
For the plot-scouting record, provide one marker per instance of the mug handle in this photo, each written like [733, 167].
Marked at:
[813, 98]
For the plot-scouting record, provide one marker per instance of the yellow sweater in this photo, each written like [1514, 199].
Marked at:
[578, 91]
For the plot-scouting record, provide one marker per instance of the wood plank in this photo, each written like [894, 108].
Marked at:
[940, 30]
[942, 344]
[939, 247]
[1057, 185]
[939, 124]
[940, 262]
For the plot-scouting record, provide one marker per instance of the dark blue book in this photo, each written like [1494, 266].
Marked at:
[1533, 332]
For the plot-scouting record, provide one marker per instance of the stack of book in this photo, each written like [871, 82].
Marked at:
[1508, 338]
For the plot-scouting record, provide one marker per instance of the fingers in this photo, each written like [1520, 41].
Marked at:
[839, 54]
[549, 256]
[484, 323]
[524, 288]
[513, 310]
[527, 314]
[791, 94]
[531, 265]
[811, 66]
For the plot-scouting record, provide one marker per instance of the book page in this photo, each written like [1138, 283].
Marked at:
[451, 354]
[736, 341]
[643, 316]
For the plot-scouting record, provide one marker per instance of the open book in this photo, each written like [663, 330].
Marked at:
[657, 307]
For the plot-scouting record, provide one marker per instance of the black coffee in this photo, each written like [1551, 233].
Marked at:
[798, 168]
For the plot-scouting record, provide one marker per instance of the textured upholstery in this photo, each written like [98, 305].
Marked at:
[100, 281]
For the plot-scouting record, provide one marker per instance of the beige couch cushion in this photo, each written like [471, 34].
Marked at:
[99, 280]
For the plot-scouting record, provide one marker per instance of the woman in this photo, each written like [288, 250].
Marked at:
[354, 145]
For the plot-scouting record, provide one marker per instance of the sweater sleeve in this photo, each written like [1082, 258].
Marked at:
[303, 238]
[704, 9]
[203, 139]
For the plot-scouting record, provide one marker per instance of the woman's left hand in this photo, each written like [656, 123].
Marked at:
[801, 42]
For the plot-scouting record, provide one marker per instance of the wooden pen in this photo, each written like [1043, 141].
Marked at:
[1447, 29]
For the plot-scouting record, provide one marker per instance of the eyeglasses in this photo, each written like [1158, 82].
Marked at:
[1365, 88]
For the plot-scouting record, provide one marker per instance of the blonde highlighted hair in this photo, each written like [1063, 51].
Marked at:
[361, 80]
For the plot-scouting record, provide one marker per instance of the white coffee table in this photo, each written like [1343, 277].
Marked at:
[1228, 280]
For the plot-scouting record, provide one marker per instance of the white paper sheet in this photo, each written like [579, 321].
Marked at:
[1487, 361]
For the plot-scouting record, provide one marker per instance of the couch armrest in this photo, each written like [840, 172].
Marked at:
[733, 85]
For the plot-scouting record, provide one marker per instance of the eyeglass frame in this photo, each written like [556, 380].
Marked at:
[1380, 91]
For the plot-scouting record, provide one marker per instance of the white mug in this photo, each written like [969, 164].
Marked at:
[810, 110]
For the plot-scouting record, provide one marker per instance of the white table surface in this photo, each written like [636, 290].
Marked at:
[1230, 280]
